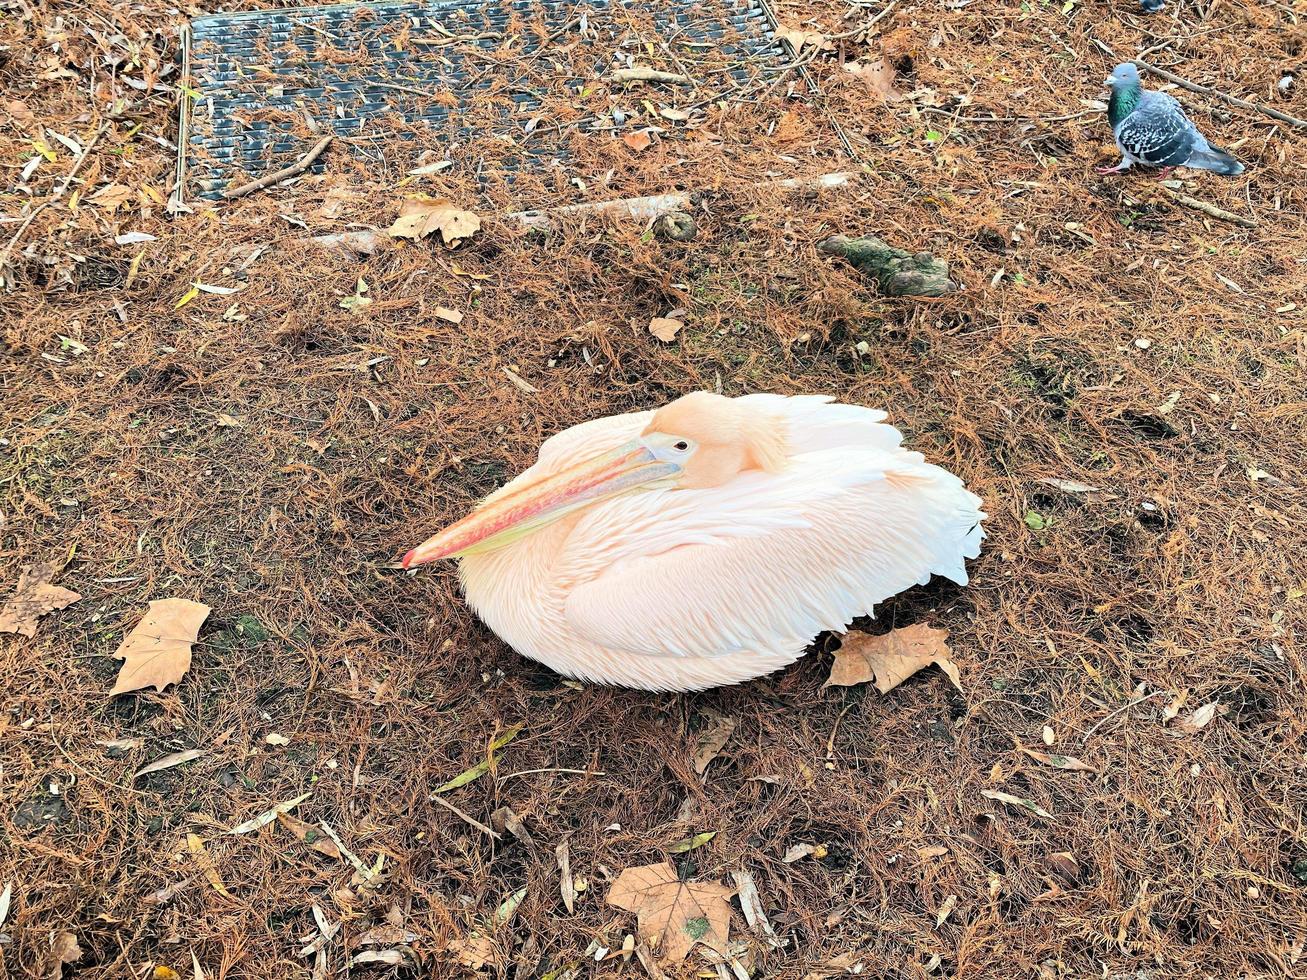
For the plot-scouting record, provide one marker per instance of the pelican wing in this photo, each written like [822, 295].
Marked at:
[762, 565]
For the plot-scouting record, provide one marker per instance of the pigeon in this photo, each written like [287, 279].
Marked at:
[1152, 130]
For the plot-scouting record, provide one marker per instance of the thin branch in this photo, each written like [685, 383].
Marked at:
[1211, 210]
[298, 167]
[1112, 714]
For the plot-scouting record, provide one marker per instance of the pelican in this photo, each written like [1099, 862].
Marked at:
[708, 542]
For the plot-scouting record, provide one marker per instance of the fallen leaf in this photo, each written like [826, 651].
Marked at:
[5, 897]
[276, 738]
[566, 883]
[165, 973]
[945, 910]
[427, 169]
[445, 313]
[64, 949]
[34, 598]
[931, 852]
[797, 852]
[505, 818]
[1060, 761]
[672, 914]
[1197, 720]
[1064, 863]
[421, 216]
[690, 843]
[168, 761]
[1001, 797]
[133, 238]
[205, 287]
[158, 651]
[111, 196]
[310, 835]
[1174, 707]
[195, 845]
[19, 112]
[1069, 486]
[267, 816]
[799, 38]
[226, 421]
[117, 747]
[385, 957]
[187, 296]
[475, 952]
[877, 75]
[665, 328]
[746, 889]
[891, 658]
[638, 139]
[360, 301]
[712, 740]
[675, 115]
[481, 768]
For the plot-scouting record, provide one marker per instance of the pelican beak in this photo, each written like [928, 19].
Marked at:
[505, 519]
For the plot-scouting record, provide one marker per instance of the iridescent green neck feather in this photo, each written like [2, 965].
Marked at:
[1122, 103]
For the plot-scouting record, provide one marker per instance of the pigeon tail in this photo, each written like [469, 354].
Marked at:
[1217, 161]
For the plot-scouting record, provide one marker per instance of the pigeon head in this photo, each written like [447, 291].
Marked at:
[1124, 76]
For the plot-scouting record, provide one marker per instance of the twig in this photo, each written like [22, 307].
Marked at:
[1211, 209]
[649, 75]
[575, 772]
[298, 167]
[58, 193]
[464, 817]
[1112, 714]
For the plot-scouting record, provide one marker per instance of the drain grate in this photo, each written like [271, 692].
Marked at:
[264, 84]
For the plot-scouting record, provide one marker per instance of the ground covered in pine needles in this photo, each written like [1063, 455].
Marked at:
[1121, 379]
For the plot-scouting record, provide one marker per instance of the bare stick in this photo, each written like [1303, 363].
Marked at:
[298, 167]
[1204, 90]
[1125, 707]
[463, 816]
[1212, 210]
[649, 75]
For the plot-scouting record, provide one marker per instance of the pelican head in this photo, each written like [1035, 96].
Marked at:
[698, 441]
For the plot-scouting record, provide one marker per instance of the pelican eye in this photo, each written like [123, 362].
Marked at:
[681, 446]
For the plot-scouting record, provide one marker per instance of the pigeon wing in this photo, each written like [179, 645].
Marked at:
[1158, 133]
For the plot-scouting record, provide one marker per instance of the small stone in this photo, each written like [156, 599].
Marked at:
[1048, 735]
[1143, 343]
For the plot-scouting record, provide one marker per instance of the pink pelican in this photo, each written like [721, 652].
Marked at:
[707, 542]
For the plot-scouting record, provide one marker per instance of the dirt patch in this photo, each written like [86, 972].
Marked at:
[270, 452]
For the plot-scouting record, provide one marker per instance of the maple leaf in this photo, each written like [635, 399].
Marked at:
[891, 658]
[665, 328]
[421, 216]
[878, 76]
[798, 38]
[33, 598]
[671, 913]
[158, 650]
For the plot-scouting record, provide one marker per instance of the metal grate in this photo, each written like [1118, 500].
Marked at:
[258, 78]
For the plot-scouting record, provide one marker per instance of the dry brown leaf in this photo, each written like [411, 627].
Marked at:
[158, 651]
[1065, 864]
[1000, 797]
[421, 216]
[195, 845]
[566, 883]
[665, 328]
[673, 914]
[945, 910]
[891, 658]
[309, 834]
[1060, 761]
[33, 598]
[111, 196]
[168, 761]
[1197, 720]
[800, 38]
[19, 111]
[712, 740]
[476, 952]
[877, 75]
[638, 140]
[64, 949]
[931, 852]
[445, 313]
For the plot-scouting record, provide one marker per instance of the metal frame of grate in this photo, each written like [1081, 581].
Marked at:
[217, 147]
